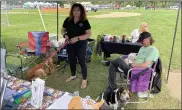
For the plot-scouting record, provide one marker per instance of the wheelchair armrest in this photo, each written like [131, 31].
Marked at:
[19, 46]
[15, 55]
[124, 56]
[22, 44]
[12, 55]
[139, 70]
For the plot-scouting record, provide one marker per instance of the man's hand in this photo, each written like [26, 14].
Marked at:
[126, 61]
[74, 40]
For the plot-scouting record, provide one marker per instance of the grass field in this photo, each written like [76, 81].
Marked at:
[161, 25]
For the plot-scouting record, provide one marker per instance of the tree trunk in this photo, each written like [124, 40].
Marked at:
[154, 5]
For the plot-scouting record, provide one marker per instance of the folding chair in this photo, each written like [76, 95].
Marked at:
[11, 63]
[36, 48]
[140, 80]
[63, 55]
[90, 49]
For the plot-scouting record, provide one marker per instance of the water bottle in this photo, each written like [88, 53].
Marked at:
[88, 97]
[114, 39]
[123, 38]
[76, 93]
[110, 38]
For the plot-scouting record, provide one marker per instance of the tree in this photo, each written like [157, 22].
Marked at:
[97, 2]
[138, 3]
[121, 3]
[61, 3]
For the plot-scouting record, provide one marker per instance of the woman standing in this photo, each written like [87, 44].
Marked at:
[76, 29]
[135, 34]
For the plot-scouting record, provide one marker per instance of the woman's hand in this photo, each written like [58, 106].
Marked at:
[74, 40]
[66, 38]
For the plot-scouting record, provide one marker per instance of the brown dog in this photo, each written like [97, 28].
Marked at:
[41, 71]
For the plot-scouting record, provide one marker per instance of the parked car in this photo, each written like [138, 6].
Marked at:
[174, 7]
[95, 9]
[87, 8]
[4, 8]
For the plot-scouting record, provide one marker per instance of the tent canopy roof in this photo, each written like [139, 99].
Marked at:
[89, 0]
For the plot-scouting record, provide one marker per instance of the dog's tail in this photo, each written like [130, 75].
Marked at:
[101, 97]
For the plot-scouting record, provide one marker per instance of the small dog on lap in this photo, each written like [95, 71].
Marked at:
[114, 99]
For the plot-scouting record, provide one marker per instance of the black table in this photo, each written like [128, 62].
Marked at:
[119, 48]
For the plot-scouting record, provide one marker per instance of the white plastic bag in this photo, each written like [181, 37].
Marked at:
[3, 54]
[37, 92]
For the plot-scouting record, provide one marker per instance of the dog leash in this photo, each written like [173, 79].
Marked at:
[65, 44]
[56, 52]
[41, 64]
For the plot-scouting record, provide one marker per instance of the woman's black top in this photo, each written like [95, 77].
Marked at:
[75, 30]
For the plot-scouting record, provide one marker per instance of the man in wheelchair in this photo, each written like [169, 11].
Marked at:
[147, 55]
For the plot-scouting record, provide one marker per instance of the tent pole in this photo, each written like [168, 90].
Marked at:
[173, 40]
[7, 19]
[57, 20]
[41, 17]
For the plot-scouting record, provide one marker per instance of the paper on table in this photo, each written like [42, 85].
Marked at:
[62, 102]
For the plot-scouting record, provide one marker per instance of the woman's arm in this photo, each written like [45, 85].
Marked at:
[82, 37]
[63, 31]
[88, 31]
[85, 36]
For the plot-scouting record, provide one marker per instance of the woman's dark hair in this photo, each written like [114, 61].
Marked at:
[151, 40]
[82, 11]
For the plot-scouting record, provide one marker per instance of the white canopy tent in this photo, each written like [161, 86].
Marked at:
[41, 2]
[175, 30]
[48, 4]
[4, 10]
[180, 2]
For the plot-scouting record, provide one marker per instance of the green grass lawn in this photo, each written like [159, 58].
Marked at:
[161, 25]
